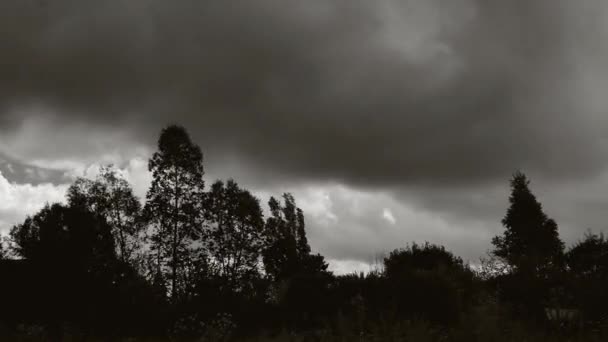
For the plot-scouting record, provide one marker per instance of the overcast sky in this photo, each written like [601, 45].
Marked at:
[391, 121]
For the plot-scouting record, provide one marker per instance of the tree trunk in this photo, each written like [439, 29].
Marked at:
[175, 241]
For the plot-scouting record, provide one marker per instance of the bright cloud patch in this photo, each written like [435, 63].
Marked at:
[19, 200]
[388, 215]
[135, 171]
[353, 266]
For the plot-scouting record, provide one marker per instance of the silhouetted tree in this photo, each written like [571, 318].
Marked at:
[428, 281]
[111, 197]
[589, 257]
[287, 252]
[531, 240]
[587, 263]
[298, 277]
[81, 280]
[174, 204]
[234, 240]
[64, 235]
[427, 257]
[75, 250]
[533, 251]
[217, 270]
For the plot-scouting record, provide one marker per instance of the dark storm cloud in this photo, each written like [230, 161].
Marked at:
[371, 93]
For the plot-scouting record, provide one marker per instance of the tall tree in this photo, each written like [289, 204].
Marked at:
[287, 252]
[111, 197]
[174, 204]
[531, 240]
[234, 240]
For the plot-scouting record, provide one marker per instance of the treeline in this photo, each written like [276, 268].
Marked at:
[199, 262]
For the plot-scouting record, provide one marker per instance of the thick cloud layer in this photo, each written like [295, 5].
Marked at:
[390, 120]
[372, 93]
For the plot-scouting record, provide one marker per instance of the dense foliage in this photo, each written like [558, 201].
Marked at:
[192, 263]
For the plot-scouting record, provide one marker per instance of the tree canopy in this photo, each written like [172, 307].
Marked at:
[111, 197]
[288, 253]
[174, 205]
[234, 239]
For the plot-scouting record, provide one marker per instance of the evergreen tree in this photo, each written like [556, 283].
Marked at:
[111, 197]
[174, 204]
[530, 242]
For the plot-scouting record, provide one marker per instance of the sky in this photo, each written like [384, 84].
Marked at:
[390, 121]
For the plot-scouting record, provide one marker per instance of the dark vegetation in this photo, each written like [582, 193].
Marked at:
[202, 263]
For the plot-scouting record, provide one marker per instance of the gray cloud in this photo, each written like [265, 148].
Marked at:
[421, 107]
[17, 172]
[376, 93]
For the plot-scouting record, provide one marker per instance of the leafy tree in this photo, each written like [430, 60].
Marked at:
[298, 277]
[427, 257]
[234, 240]
[74, 250]
[64, 235]
[281, 255]
[587, 264]
[174, 204]
[287, 252]
[531, 240]
[111, 197]
[79, 277]
[429, 281]
[589, 258]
